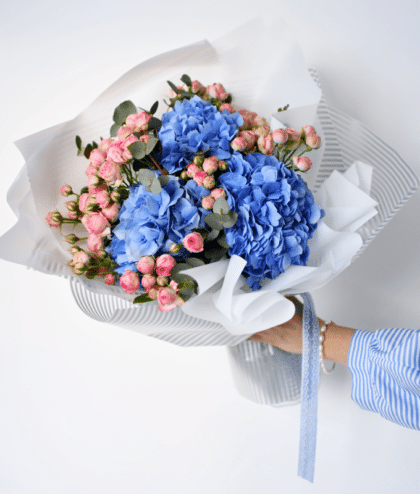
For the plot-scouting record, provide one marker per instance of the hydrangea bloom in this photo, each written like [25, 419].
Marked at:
[196, 126]
[150, 223]
[276, 215]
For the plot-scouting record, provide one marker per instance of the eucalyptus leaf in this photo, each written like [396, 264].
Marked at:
[123, 110]
[94, 145]
[194, 262]
[172, 85]
[186, 291]
[221, 206]
[146, 177]
[215, 254]
[78, 142]
[155, 187]
[180, 277]
[137, 149]
[186, 94]
[163, 179]
[214, 221]
[150, 144]
[222, 242]
[186, 80]
[114, 129]
[142, 299]
[88, 150]
[229, 219]
[179, 267]
[154, 123]
[212, 235]
[154, 107]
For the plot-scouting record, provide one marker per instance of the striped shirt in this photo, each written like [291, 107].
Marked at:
[385, 368]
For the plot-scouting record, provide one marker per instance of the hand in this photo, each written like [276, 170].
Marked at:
[287, 336]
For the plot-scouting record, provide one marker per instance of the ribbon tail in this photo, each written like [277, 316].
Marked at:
[309, 391]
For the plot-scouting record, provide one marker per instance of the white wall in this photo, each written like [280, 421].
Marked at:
[90, 408]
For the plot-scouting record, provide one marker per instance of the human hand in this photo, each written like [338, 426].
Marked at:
[287, 336]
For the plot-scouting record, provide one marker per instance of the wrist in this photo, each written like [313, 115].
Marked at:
[336, 342]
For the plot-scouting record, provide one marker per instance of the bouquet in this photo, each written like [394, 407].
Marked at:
[205, 183]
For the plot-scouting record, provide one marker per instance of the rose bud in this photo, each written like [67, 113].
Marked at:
[124, 131]
[95, 243]
[72, 205]
[193, 242]
[146, 265]
[75, 249]
[192, 170]
[239, 144]
[97, 157]
[115, 153]
[130, 281]
[228, 107]
[71, 238]
[210, 165]
[207, 202]
[53, 219]
[196, 87]
[223, 166]
[199, 177]
[313, 141]
[179, 301]
[303, 164]
[216, 193]
[153, 293]
[115, 196]
[209, 182]
[110, 171]
[217, 91]
[174, 285]
[280, 136]
[91, 170]
[79, 268]
[66, 190]
[184, 175]
[138, 121]
[198, 160]
[96, 223]
[266, 144]
[250, 138]
[111, 212]
[81, 256]
[164, 264]
[174, 248]
[166, 296]
[105, 143]
[102, 198]
[308, 130]
[148, 281]
[93, 181]
[110, 279]
[162, 280]
[294, 135]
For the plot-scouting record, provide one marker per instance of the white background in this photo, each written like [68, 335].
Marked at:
[91, 408]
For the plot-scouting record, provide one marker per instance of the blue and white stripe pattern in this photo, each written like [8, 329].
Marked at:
[385, 368]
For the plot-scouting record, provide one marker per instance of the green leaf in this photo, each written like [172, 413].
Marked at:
[179, 267]
[212, 235]
[142, 299]
[123, 110]
[186, 94]
[215, 254]
[154, 107]
[222, 242]
[137, 149]
[186, 80]
[214, 221]
[163, 179]
[150, 144]
[187, 289]
[88, 150]
[78, 142]
[155, 187]
[194, 262]
[172, 85]
[154, 123]
[146, 177]
[94, 145]
[85, 190]
[229, 219]
[221, 206]
[114, 129]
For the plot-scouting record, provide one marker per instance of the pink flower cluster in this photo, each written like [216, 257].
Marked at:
[215, 92]
[153, 275]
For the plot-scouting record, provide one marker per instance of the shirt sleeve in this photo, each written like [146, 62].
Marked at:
[385, 369]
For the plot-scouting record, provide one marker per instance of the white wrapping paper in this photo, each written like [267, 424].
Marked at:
[259, 83]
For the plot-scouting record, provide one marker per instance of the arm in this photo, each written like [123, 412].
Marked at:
[288, 336]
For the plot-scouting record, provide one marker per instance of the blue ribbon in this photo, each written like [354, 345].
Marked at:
[309, 390]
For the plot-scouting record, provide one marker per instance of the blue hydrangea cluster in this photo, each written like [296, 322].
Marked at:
[150, 223]
[195, 126]
[276, 215]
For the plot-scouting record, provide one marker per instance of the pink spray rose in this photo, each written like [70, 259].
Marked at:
[199, 177]
[239, 144]
[123, 132]
[105, 143]
[164, 264]
[82, 257]
[110, 279]
[193, 242]
[115, 153]
[217, 91]
[209, 182]
[110, 171]
[166, 296]
[146, 265]
[54, 220]
[148, 281]
[138, 121]
[309, 130]
[192, 169]
[280, 136]
[313, 141]
[266, 144]
[228, 107]
[95, 243]
[111, 212]
[207, 202]
[130, 140]
[130, 281]
[96, 223]
[66, 190]
[210, 165]
[216, 193]
[97, 157]
[303, 164]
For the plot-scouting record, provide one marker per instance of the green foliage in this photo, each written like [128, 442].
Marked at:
[142, 299]
[123, 110]
[154, 108]
[186, 80]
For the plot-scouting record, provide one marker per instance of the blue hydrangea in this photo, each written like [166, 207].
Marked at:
[276, 215]
[195, 126]
[150, 223]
